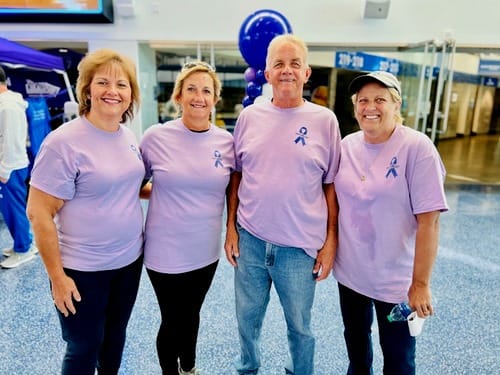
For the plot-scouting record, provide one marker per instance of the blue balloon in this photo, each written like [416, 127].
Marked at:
[249, 74]
[247, 101]
[260, 77]
[256, 33]
[254, 90]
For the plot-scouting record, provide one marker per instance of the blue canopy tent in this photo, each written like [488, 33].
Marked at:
[41, 78]
[14, 56]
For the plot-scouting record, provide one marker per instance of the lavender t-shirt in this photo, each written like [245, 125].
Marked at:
[98, 174]
[190, 172]
[380, 189]
[285, 156]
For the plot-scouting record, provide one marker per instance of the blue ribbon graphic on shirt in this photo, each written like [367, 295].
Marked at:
[392, 168]
[134, 149]
[302, 135]
[218, 159]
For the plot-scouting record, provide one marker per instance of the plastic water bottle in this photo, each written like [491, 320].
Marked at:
[399, 312]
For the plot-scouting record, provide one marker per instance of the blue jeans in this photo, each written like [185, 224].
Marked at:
[95, 335]
[398, 347]
[13, 196]
[290, 269]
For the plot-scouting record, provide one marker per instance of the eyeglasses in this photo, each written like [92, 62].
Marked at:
[192, 64]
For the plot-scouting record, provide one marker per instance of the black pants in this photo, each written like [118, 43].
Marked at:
[95, 335]
[180, 297]
[398, 347]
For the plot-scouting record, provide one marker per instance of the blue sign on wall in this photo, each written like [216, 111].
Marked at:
[460, 77]
[490, 82]
[489, 67]
[365, 62]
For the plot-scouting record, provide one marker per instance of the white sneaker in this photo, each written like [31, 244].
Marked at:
[194, 371]
[9, 251]
[16, 259]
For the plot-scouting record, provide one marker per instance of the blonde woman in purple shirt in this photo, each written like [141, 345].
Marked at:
[190, 161]
[86, 215]
[390, 192]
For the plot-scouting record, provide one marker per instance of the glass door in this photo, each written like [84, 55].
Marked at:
[426, 75]
[442, 98]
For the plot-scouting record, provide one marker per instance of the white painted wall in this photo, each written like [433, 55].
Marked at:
[325, 23]
[330, 22]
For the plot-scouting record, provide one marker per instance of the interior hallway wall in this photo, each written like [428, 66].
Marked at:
[336, 22]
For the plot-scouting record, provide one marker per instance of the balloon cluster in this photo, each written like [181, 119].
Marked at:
[256, 33]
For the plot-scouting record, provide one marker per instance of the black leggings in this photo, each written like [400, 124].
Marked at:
[180, 297]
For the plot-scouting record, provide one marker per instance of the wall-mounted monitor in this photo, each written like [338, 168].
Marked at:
[56, 11]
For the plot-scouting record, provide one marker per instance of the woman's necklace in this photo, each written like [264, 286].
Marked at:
[196, 127]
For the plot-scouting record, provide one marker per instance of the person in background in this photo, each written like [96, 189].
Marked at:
[190, 161]
[38, 116]
[86, 214]
[320, 96]
[282, 214]
[390, 193]
[13, 175]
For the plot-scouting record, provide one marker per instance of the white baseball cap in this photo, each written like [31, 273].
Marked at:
[385, 78]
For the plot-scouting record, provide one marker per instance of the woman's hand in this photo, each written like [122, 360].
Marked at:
[64, 293]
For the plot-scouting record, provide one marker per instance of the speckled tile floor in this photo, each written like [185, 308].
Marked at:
[463, 337]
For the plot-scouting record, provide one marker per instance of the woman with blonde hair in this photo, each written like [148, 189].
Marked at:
[390, 193]
[190, 161]
[86, 215]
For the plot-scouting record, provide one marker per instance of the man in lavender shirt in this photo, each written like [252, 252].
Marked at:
[282, 212]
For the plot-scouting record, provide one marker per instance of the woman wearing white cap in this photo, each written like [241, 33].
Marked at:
[390, 192]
